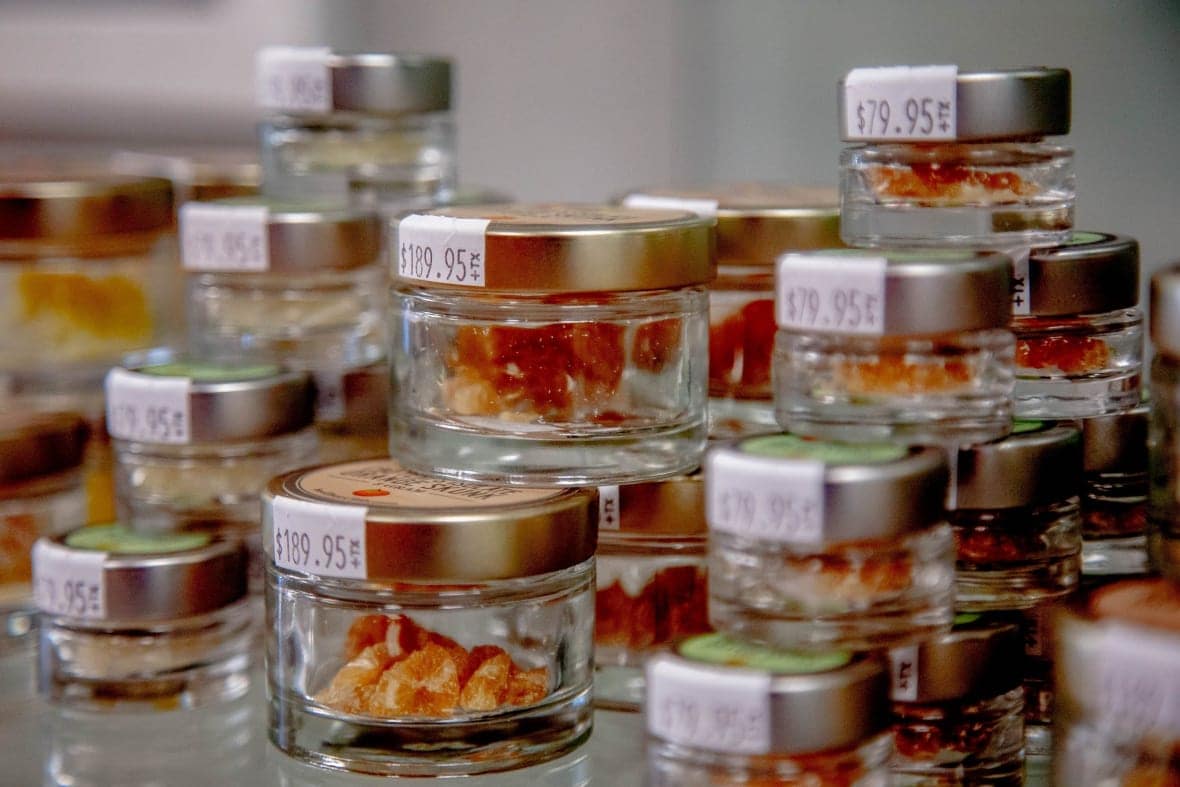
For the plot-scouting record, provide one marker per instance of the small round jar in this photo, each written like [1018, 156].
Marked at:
[957, 704]
[197, 172]
[1036, 623]
[158, 621]
[948, 157]
[828, 545]
[295, 284]
[651, 580]
[1163, 505]
[372, 129]
[550, 344]
[1014, 509]
[906, 346]
[723, 713]
[1114, 494]
[427, 627]
[41, 494]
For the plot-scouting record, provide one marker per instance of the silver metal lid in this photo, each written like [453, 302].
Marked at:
[1164, 311]
[1037, 464]
[34, 444]
[978, 659]
[1116, 442]
[1018, 103]
[1092, 273]
[673, 507]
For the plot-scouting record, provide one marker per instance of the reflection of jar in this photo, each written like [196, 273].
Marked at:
[651, 580]
[41, 494]
[550, 344]
[723, 713]
[910, 346]
[303, 286]
[372, 129]
[197, 172]
[957, 702]
[1163, 506]
[815, 544]
[105, 639]
[1114, 500]
[1079, 330]
[424, 626]
[1014, 511]
[955, 158]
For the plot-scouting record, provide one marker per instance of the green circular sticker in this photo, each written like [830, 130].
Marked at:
[789, 446]
[119, 539]
[205, 372]
[720, 649]
[1025, 427]
[965, 619]
[1085, 238]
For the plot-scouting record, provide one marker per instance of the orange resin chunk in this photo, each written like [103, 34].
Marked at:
[1069, 354]
[893, 374]
[938, 182]
[745, 337]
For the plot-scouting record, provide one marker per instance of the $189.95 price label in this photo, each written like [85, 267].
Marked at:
[901, 103]
[835, 294]
[442, 250]
[322, 539]
[69, 582]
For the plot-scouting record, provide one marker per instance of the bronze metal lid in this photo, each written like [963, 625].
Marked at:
[1039, 463]
[1116, 442]
[35, 444]
[978, 659]
[1164, 311]
[673, 507]
[1092, 273]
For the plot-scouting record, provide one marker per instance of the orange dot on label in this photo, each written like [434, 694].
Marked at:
[370, 493]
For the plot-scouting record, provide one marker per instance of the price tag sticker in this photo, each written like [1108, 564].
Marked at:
[831, 293]
[608, 508]
[224, 237]
[702, 207]
[901, 103]
[442, 249]
[148, 409]
[903, 667]
[322, 539]
[329, 394]
[294, 79]
[1135, 679]
[718, 710]
[1021, 287]
[69, 582]
[743, 497]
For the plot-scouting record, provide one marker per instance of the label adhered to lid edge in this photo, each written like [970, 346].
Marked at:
[779, 500]
[293, 78]
[217, 237]
[902, 103]
[69, 582]
[831, 293]
[442, 250]
[712, 708]
[146, 408]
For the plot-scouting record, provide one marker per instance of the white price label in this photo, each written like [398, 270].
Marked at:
[68, 581]
[608, 508]
[901, 102]
[149, 409]
[701, 207]
[903, 666]
[294, 79]
[831, 293]
[224, 237]
[1135, 679]
[784, 504]
[442, 249]
[329, 394]
[728, 712]
[323, 539]
[1021, 289]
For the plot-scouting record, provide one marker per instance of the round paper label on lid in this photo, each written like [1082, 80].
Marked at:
[720, 649]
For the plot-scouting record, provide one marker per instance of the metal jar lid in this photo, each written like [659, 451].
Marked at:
[1164, 311]
[672, 507]
[1038, 464]
[1091, 274]
[812, 702]
[1018, 103]
[861, 491]
[756, 222]
[583, 248]
[373, 83]
[925, 292]
[977, 659]
[298, 238]
[421, 528]
[1116, 442]
[34, 444]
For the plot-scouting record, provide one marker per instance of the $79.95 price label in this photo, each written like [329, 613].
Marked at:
[901, 103]
[224, 237]
[783, 503]
[294, 78]
[323, 539]
[149, 409]
[728, 712]
[442, 250]
[69, 582]
[831, 294]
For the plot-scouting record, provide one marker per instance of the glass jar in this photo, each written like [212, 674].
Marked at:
[957, 704]
[827, 545]
[1117, 671]
[550, 344]
[363, 432]
[41, 494]
[905, 346]
[197, 172]
[427, 627]
[948, 157]
[650, 576]
[1014, 510]
[294, 284]
[1114, 495]
[105, 641]
[371, 129]
[1163, 504]
[723, 713]
[1039, 696]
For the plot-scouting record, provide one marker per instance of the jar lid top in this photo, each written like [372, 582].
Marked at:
[893, 293]
[1093, 273]
[1164, 310]
[258, 234]
[1116, 442]
[670, 507]
[116, 575]
[414, 527]
[790, 489]
[756, 222]
[1038, 463]
[979, 658]
[197, 172]
[165, 398]
[787, 702]
[72, 206]
[992, 105]
[555, 248]
[316, 80]
[34, 444]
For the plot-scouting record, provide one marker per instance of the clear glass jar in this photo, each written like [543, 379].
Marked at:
[363, 432]
[41, 494]
[651, 581]
[300, 285]
[1163, 503]
[105, 642]
[957, 707]
[948, 157]
[1079, 330]
[427, 627]
[905, 346]
[371, 129]
[1015, 513]
[828, 545]
[1114, 496]
[722, 713]
[572, 352]
[1036, 624]
[197, 172]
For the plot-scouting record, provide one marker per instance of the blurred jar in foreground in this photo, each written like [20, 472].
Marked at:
[1114, 495]
[198, 172]
[1163, 508]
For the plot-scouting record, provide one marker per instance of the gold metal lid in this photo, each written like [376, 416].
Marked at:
[40, 444]
[979, 658]
[671, 507]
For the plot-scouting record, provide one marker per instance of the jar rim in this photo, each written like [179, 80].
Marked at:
[68, 208]
[35, 445]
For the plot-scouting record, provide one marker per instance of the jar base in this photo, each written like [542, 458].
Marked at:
[945, 427]
[732, 418]
[1038, 740]
[1009, 773]
[206, 684]
[1064, 397]
[989, 226]
[1115, 557]
[619, 688]
[1018, 587]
